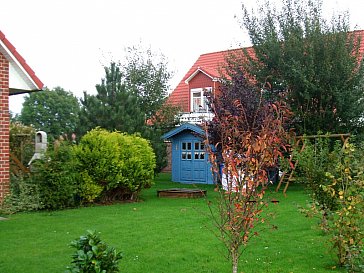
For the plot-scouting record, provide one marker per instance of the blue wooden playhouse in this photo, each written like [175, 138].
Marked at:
[189, 157]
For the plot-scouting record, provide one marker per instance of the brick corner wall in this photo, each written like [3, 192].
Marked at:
[4, 128]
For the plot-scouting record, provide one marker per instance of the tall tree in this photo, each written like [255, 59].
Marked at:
[147, 76]
[318, 61]
[53, 111]
[132, 99]
[113, 107]
[250, 135]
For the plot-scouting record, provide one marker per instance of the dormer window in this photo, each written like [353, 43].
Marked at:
[198, 100]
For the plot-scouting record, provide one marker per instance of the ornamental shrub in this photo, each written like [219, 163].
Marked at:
[346, 225]
[22, 141]
[24, 196]
[315, 160]
[55, 177]
[335, 177]
[113, 165]
[93, 255]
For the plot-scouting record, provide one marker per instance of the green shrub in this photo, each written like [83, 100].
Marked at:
[139, 162]
[315, 160]
[21, 141]
[113, 166]
[24, 196]
[335, 178]
[93, 256]
[346, 226]
[55, 176]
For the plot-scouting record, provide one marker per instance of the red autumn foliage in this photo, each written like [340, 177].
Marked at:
[247, 136]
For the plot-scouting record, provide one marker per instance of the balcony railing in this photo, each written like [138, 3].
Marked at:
[196, 117]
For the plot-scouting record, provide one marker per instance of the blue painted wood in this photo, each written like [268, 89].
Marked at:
[189, 158]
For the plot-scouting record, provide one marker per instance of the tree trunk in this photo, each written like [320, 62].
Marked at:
[235, 261]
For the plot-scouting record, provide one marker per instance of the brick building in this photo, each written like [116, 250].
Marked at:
[16, 77]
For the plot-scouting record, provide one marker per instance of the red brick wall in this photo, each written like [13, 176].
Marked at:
[4, 127]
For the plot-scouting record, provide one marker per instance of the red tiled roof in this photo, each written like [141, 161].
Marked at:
[38, 85]
[212, 64]
[360, 34]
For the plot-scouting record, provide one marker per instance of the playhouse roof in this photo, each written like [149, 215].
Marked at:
[22, 78]
[185, 126]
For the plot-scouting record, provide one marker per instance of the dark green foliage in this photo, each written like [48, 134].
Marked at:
[318, 158]
[347, 187]
[21, 141]
[113, 166]
[131, 98]
[147, 77]
[93, 255]
[24, 196]
[316, 61]
[51, 184]
[113, 108]
[53, 111]
[55, 176]
[334, 175]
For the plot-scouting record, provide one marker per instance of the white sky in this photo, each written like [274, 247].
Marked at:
[67, 42]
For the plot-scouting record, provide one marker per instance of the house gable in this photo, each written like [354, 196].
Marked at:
[22, 78]
[15, 77]
[201, 80]
[206, 62]
[205, 72]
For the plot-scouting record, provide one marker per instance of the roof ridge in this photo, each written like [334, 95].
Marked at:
[21, 61]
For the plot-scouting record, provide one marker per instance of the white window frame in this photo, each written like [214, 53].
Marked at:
[203, 99]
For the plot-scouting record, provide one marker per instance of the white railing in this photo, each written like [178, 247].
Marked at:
[196, 117]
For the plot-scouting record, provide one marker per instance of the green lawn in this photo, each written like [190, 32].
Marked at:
[160, 235]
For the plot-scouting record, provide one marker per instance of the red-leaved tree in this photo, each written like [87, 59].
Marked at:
[246, 138]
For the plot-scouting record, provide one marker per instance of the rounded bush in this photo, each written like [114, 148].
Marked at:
[113, 165]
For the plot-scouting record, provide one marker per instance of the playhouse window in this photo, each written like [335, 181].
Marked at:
[187, 146]
[199, 153]
[186, 151]
[199, 146]
[198, 100]
[186, 155]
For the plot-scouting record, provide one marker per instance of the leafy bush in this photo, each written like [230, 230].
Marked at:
[347, 187]
[335, 176]
[93, 255]
[55, 176]
[24, 196]
[21, 141]
[315, 160]
[113, 165]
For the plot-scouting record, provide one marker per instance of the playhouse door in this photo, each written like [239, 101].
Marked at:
[186, 161]
[199, 162]
[193, 163]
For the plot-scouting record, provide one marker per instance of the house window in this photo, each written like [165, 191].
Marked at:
[198, 100]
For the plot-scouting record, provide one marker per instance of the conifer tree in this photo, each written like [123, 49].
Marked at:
[113, 107]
